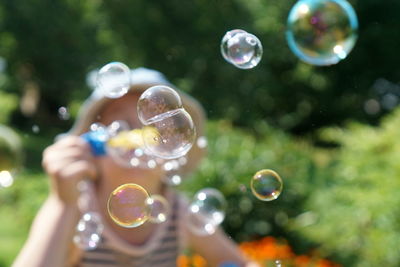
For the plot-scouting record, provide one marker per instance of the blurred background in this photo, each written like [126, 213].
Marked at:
[330, 132]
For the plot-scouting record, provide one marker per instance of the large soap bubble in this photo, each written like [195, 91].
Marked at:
[160, 107]
[322, 32]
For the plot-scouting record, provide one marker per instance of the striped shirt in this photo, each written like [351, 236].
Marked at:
[163, 250]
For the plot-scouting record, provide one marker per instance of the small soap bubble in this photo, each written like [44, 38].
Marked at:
[11, 155]
[114, 79]
[63, 113]
[202, 142]
[206, 211]
[35, 129]
[88, 231]
[127, 205]
[322, 32]
[6, 179]
[182, 161]
[159, 209]
[266, 185]
[241, 49]
[172, 176]
[97, 127]
[160, 108]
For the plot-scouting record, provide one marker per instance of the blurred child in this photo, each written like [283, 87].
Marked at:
[69, 160]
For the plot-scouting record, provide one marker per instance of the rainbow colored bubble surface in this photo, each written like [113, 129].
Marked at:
[127, 205]
[266, 185]
[322, 32]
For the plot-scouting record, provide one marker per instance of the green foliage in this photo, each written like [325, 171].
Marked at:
[19, 204]
[356, 209]
[53, 50]
[234, 156]
[8, 104]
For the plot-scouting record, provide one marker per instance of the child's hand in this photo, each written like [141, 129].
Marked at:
[67, 162]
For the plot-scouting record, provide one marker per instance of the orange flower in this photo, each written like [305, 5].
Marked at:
[182, 261]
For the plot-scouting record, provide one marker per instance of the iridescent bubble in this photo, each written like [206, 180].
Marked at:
[322, 32]
[126, 146]
[241, 49]
[266, 185]
[159, 208]
[160, 108]
[114, 79]
[206, 211]
[63, 113]
[11, 155]
[88, 231]
[127, 205]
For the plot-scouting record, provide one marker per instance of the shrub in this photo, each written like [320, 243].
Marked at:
[357, 205]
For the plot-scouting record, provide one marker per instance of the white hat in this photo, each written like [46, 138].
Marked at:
[141, 79]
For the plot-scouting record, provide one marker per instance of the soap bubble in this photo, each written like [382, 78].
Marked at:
[172, 175]
[11, 155]
[114, 79]
[63, 113]
[6, 179]
[322, 32]
[126, 146]
[88, 231]
[241, 49]
[206, 211]
[266, 185]
[159, 209]
[35, 129]
[156, 101]
[202, 142]
[127, 205]
[160, 108]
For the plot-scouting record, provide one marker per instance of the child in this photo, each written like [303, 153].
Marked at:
[69, 160]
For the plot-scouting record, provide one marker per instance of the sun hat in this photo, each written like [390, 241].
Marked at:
[142, 79]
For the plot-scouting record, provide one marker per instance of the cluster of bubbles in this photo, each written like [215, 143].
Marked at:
[10, 155]
[130, 205]
[206, 211]
[241, 49]
[160, 108]
[88, 231]
[319, 32]
[322, 32]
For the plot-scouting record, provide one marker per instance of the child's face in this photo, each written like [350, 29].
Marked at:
[124, 109]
